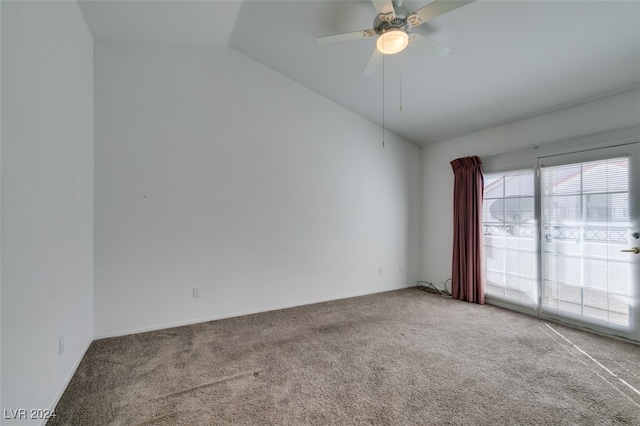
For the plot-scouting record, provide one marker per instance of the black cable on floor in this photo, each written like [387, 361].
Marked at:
[429, 287]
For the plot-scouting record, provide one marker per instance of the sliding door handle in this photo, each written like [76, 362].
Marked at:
[634, 250]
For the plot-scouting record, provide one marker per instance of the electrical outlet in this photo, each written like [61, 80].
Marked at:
[60, 345]
[380, 271]
[196, 292]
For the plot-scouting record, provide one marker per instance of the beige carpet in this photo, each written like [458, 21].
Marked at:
[402, 357]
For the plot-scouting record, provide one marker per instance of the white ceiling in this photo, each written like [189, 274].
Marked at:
[175, 22]
[509, 59]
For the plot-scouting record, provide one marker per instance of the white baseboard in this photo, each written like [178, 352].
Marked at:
[248, 312]
[66, 384]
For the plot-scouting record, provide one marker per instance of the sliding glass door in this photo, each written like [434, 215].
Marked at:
[589, 224]
[565, 240]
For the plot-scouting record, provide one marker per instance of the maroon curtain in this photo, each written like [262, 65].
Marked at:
[468, 190]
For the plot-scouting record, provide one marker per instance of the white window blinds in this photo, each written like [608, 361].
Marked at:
[510, 248]
[585, 215]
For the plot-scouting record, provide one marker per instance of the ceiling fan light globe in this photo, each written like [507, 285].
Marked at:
[392, 41]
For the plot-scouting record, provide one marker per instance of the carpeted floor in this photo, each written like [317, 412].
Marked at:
[401, 357]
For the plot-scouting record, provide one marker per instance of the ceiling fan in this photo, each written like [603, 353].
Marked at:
[393, 26]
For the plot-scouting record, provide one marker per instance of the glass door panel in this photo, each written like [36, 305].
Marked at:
[589, 216]
[509, 241]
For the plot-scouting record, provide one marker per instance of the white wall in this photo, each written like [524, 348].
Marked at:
[612, 113]
[47, 200]
[1, 208]
[213, 171]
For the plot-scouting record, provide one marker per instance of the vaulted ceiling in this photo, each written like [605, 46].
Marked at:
[509, 59]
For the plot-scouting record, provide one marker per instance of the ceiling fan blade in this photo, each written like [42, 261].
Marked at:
[437, 8]
[385, 8]
[344, 37]
[428, 46]
[374, 63]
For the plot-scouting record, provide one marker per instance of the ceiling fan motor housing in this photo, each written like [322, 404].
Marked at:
[380, 24]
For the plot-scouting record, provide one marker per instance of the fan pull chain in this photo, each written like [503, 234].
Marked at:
[383, 99]
[401, 62]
